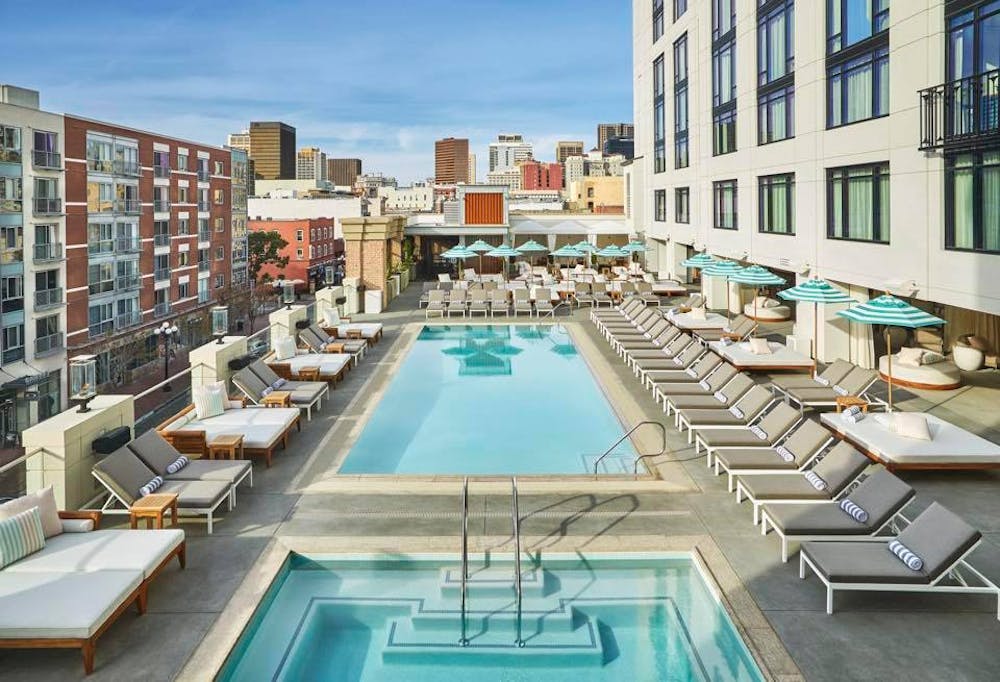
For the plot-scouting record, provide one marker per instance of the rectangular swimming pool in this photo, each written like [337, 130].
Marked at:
[589, 619]
[490, 399]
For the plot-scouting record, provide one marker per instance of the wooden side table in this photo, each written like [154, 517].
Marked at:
[308, 373]
[847, 401]
[152, 508]
[277, 399]
[226, 446]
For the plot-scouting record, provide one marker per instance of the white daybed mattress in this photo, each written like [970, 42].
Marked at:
[780, 357]
[686, 322]
[934, 377]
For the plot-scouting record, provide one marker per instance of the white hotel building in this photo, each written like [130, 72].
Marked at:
[855, 140]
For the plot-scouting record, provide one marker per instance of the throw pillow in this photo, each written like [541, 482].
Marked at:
[911, 425]
[284, 348]
[909, 356]
[20, 535]
[331, 317]
[760, 347]
[45, 501]
[931, 357]
[698, 313]
[177, 464]
[209, 401]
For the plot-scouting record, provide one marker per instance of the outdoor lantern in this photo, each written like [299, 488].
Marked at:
[83, 379]
[220, 321]
[328, 275]
[288, 293]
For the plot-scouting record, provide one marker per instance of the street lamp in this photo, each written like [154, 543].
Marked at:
[83, 380]
[220, 321]
[166, 331]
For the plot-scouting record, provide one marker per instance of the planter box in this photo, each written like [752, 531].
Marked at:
[373, 301]
[404, 280]
[393, 287]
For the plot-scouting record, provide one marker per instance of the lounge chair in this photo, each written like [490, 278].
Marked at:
[742, 327]
[830, 376]
[444, 277]
[158, 455]
[881, 495]
[457, 302]
[724, 397]
[498, 302]
[802, 444]
[668, 344]
[740, 415]
[343, 328]
[425, 293]
[857, 383]
[257, 380]
[704, 366]
[584, 295]
[644, 291]
[318, 341]
[122, 474]
[478, 302]
[838, 469]
[941, 540]
[522, 302]
[637, 322]
[720, 375]
[623, 313]
[543, 301]
[601, 296]
[436, 304]
[764, 432]
[682, 361]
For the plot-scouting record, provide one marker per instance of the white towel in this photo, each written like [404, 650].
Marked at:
[840, 391]
[177, 464]
[705, 385]
[759, 432]
[856, 512]
[822, 381]
[678, 361]
[785, 453]
[691, 372]
[815, 480]
[721, 397]
[736, 412]
[912, 561]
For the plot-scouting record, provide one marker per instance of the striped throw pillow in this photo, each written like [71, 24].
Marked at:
[785, 453]
[912, 561]
[822, 381]
[815, 480]
[20, 535]
[840, 390]
[856, 512]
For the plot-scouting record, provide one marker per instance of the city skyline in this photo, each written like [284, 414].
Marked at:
[202, 91]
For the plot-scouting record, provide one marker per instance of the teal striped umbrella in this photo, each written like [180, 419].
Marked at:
[569, 251]
[585, 246]
[725, 269]
[503, 251]
[890, 311]
[531, 247]
[700, 261]
[815, 291]
[480, 247]
[635, 247]
[757, 277]
[458, 253]
[611, 251]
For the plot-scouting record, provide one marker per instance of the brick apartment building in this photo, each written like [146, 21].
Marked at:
[312, 246]
[149, 237]
[537, 175]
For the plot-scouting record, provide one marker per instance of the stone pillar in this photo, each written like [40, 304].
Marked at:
[353, 303]
[714, 289]
[283, 322]
[326, 298]
[67, 457]
[373, 244]
[210, 363]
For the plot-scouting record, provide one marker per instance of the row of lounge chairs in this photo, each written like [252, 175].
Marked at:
[808, 488]
[489, 302]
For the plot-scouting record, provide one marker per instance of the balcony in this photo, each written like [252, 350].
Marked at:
[204, 206]
[46, 160]
[128, 206]
[47, 206]
[48, 344]
[961, 113]
[100, 165]
[161, 205]
[10, 155]
[127, 282]
[203, 175]
[204, 235]
[11, 256]
[129, 168]
[161, 171]
[161, 274]
[161, 309]
[44, 253]
[11, 205]
[129, 319]
[48, 298]
[161, 240]
[203, 297]
[13, 354]
[128, 245]
[204, 266]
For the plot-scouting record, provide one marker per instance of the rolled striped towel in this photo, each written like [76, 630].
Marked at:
[692, 372]
[678, 361]
[720, 396]
[912, 561]
[278, 383]
[854, 409]
[704, 384]
[759, 432]
[736, 412]
[822, 381]
[151, 487]
[840, 390]
[785, 453]
[852, 418]
[647, 335]
[177, 464]
[815, 480]
[727, 329]
[725, 341]
[266, 392]
[856, 512]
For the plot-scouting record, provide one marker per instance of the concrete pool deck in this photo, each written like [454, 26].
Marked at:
[298, 503]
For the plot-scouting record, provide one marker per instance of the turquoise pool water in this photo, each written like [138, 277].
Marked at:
[585, 619]
[498, 399]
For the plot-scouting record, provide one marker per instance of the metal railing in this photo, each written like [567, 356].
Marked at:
[128, 244]
[161, 205]
[43, 159]
[46, 298]
[204, 206]
[515, 514]
[47, 206]
[130, 206]
[101, 328]
[126, 282]
[204, 235]
[129, 319]
[161, 309]
[203, 175]
[161, 171]
[47, 252]
[161, 239]
[161, 274]
[125, 168]
[204, 266]
[635, 463]
[960, 111]
[46, 344]
[463, 640]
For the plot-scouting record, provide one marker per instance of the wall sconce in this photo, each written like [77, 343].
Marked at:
[220, 321]
[83, 380]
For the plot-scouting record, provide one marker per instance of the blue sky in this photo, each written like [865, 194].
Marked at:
[377, 80]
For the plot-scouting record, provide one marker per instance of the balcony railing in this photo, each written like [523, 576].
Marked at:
[204, 206]
[100, 165]
[101, 328]
[47, 206]
[48, 344]
[127, 282]
[161, 274]
[47, 298]
[204, 235]
[129, 319]
[129, 206]
[46, 160]
[10, 155]
[13, 354]
[161, 240]
[161, 309]
[10, 256]
[161, 205]
[204, 266]
[128, 245]
[126, 168]
[161, 171]
[203, 175]
[48, 252]
[203, 297]
[961, 112]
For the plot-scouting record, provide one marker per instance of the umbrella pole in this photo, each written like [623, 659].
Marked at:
[888, 350]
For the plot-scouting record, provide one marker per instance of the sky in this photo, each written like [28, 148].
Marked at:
[378, 80]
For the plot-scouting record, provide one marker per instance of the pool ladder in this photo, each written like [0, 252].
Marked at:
[638, 458]
[515, 517]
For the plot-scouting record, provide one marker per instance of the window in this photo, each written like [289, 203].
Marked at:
[161, 163]
[10, 194]
[220, 197]
[723, 77]
[681, 151]
[182, 195]
[183, 291]
[776, 115]
[13, 343]
[777, 204]
[724, 204]
[858, 89]
[849, 22]
[182, 161]
[858, 203]
[775, 70]
[723, 18]
[299, 253]
[11, 293]
[657, 20]
[299, 235]
[220, 168]
[220, 281]
[220, 253]
[724, 133]
[10, 143]
[680, 7]
[183, 226]
[972, 202]
[100, 197]
[220, 224]
[100, 278]
[659, 117]
[182, 258]
[660, 205]
[682, 205]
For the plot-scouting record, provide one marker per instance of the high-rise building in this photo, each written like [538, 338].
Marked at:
[508, 151]
[511, 177]
[472, 169]
[451, 161]
[886, 194]
[343, 172]
[240, 140]
[536, 175]
[310, 164]
[624, 146]
[567, 148]
[605, 131]
[272, 150]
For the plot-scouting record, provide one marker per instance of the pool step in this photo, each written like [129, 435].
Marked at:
[536, 617]
[497, 581]
[578, 647]
[612, 464]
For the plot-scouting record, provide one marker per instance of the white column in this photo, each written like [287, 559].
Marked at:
[210, 363]
[283, 321]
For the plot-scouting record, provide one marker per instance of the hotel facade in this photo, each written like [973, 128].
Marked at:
[855, 140]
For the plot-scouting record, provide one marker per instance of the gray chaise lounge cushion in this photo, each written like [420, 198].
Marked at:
[835, 373]
[158, 454]
[840, 466]
[855, 382]
[303, 392]
[774, 424]
[638, 351]
[803, 443]
[251, 383]
[750, 404]
[733, 391]
[125, 473]
[939, 537]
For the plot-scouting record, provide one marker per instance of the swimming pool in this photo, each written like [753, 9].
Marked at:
[596, 619]
[490, 399]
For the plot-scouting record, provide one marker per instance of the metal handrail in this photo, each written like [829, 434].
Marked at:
[557, 306]
[464, 640]
[635, 463]
[516, 521]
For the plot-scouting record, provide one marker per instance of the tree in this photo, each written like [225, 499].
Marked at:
[264, 248]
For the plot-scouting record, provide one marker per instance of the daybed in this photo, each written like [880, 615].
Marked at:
[780, 358]
[939, 376]
[767, 310]
[334, 325]
[691, 321]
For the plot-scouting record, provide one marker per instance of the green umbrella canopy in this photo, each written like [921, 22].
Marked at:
[892, 312]
[531, 246]
[756, 276]
[702, 260]
[722, 268]
[480, 246]
[585, 246]
[502, 251]
[459, 253]
[815, 290]
[612, 251]
[635, 247]
[568, 252]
